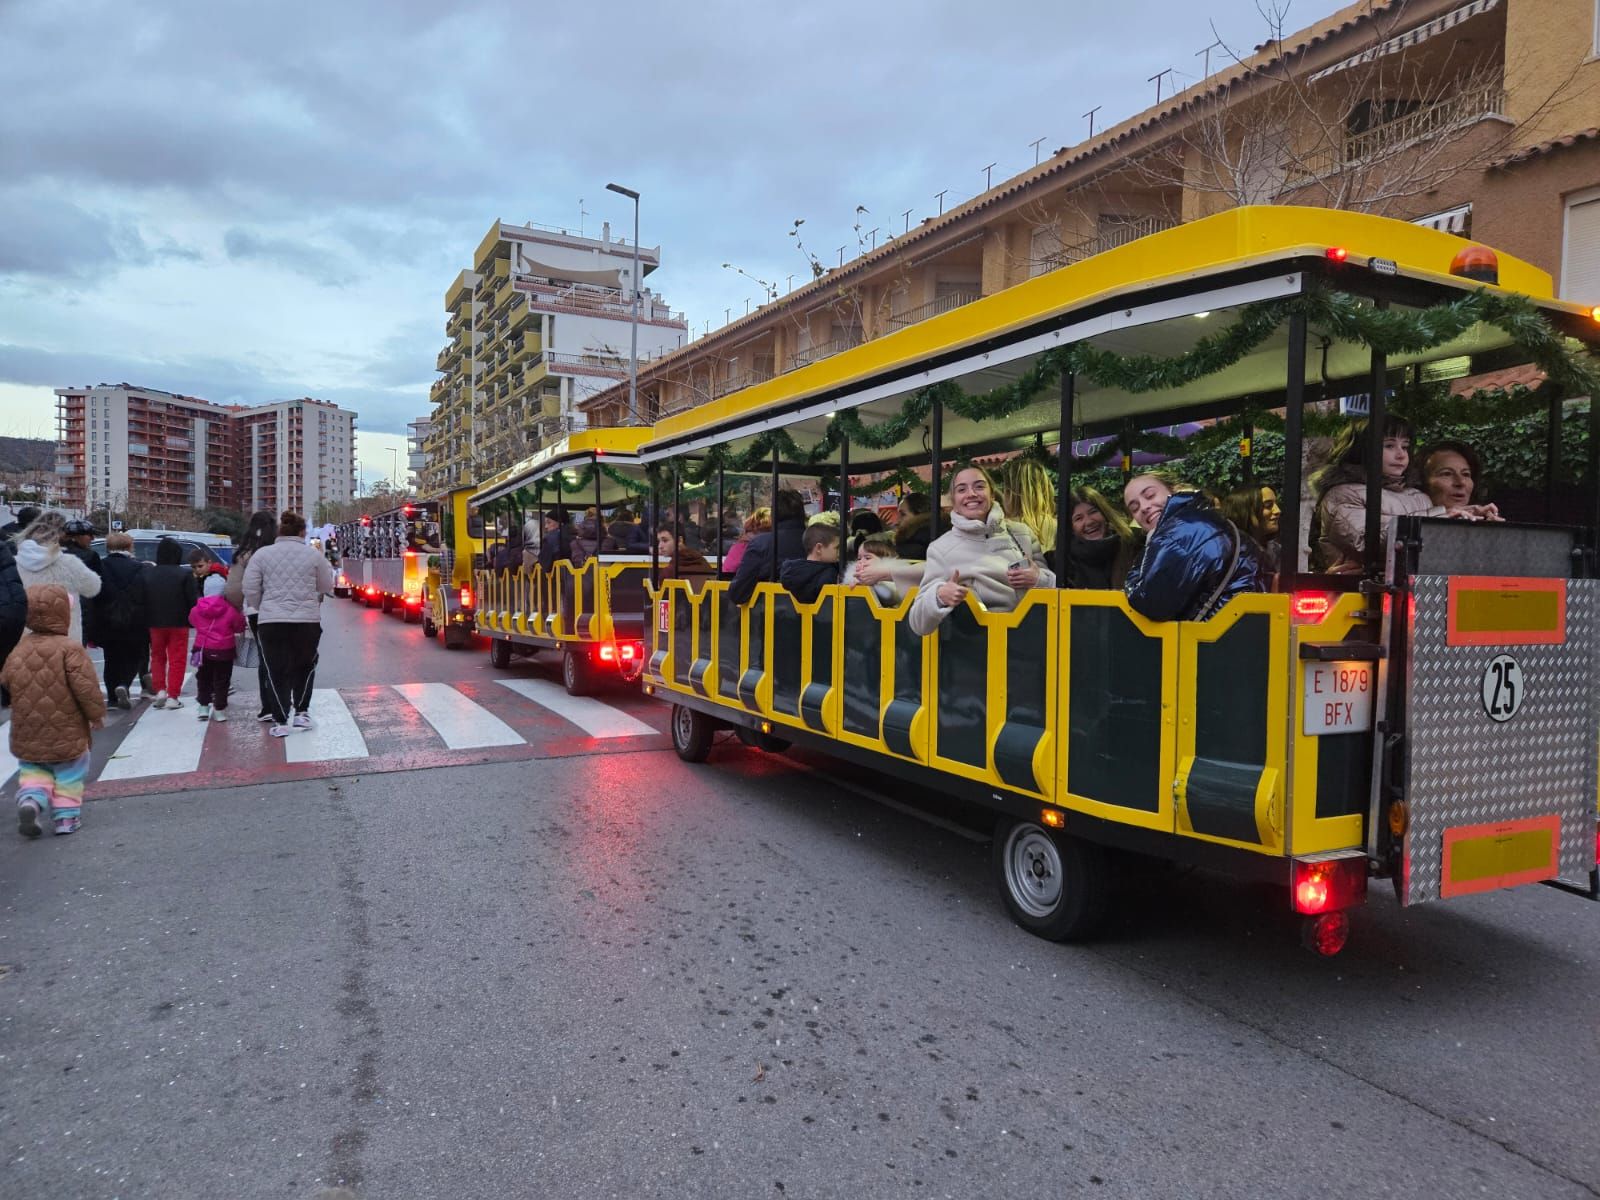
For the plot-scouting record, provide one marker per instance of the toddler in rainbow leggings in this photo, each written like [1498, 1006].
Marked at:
[56, 701]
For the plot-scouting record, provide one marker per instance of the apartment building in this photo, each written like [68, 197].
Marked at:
[1478, 117]
[417, 434]
[295, 454]
[539, 323]
[124, 447]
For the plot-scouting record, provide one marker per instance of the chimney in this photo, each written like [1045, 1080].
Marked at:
[605, 232]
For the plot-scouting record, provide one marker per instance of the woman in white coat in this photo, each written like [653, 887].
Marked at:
[40, 560]
[982, 552]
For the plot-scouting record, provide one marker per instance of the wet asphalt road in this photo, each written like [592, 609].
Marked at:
[613, 974]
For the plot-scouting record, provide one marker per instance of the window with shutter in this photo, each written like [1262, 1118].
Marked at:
[1580, 254]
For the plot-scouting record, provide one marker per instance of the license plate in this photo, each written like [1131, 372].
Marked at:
[1338, 697]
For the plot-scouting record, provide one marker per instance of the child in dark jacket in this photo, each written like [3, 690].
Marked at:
[57, 702]
[806, 577]
[216, 622]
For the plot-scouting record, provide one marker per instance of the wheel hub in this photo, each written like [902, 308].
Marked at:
[1033, 870]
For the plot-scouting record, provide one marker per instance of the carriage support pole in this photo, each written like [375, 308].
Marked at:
[1064, 505]
[1289, 540]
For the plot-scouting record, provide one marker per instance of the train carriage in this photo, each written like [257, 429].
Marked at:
[1432, 719]
[591, 613]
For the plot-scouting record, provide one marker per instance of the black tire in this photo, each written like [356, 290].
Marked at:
[429, 629]
[1054, 886]
[411, 614]
[386, 602]
[577, 673]
[761, 741]
[499, 653]
[692, 733]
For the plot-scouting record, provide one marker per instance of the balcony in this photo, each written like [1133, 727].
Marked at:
[606, 365]
[940, 304]
[807, 355]
[1399, 130]
[739, 381]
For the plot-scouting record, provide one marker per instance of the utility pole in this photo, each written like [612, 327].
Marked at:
[633, 355]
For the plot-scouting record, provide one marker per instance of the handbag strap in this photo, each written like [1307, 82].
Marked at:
[1227, 576]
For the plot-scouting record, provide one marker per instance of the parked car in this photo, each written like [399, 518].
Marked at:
[216, 547]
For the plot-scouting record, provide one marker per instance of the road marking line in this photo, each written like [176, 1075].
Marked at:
[463, 724]
[8, 762]
[163, 741]
[335, 734]
[596, 719]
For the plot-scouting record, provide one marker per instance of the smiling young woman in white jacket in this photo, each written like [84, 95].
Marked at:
[983, 553]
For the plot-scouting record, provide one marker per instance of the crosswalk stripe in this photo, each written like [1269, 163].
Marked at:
[463, 724]
[8, 761]
[596, 719]
[163, 741]
[335, 734]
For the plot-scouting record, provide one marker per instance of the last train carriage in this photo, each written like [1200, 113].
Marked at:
[1464, 658]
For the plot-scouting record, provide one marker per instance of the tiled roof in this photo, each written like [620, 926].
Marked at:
[1560, 143]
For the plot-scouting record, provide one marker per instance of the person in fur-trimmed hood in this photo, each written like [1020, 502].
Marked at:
[56, 703]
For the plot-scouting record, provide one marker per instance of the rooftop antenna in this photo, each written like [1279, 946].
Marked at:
[986, 175]
[1156, 79]
[581, 215]
[874, 235]
[1090, 114]
[1206, 71]
[841, 256]
[940, 199]
[1035, 144]
[907, 216]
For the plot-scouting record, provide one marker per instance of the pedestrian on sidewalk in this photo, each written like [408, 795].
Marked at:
[40, 560]
[58, 704]
[285, 583]
[170, 594]
[122, 620]
[76, 539]
[13, 607]
[261, 531]
[216, 623]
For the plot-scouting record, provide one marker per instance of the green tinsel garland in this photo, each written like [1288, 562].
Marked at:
[1336, 314]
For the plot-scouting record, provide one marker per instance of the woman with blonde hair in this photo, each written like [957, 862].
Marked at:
[757, 522]
[1030, 497]
[41, 559]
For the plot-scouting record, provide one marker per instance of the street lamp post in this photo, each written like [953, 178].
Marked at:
[633, 358]
[394, 469]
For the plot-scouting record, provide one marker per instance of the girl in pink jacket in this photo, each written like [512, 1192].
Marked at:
[216, 622]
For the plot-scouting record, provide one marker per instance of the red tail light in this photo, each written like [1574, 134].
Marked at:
[466, 597]
[1328, 933]
[1329, 885]
[1308, 608]
[1337, 254]
[631, 651]
[413, 601]
[608, 652]
[371, 591]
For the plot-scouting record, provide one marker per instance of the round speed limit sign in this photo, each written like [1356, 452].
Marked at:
[1502, 688]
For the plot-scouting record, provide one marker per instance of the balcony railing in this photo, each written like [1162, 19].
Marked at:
[743, 379]
[1465, 107]
[1109, 238]
[940, 304]
[586, 364]
[821, 350]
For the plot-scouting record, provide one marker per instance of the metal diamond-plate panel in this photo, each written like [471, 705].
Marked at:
[1467, 769]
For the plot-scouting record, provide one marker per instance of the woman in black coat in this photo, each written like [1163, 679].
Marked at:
[122, 619]
[13, 605]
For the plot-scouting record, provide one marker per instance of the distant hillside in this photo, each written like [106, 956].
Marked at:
[27, 455]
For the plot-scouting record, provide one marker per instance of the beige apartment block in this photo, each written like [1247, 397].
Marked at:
[1481, 118]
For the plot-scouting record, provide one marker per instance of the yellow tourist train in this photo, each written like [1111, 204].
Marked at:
[591, 612]
[1381, 723]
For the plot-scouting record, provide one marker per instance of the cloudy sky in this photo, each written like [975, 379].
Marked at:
[248, 202]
